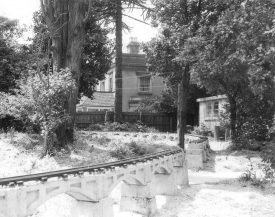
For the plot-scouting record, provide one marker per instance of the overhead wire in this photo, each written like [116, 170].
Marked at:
[133, 18]
[136, 19]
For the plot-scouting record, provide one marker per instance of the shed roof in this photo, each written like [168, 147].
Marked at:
[100, 99]
[212, 98]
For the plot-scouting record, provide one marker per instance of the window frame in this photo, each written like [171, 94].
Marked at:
[141, 89]
[209, 109]
[111, 84]
[102, 86]
[216, 109]
[212, 109]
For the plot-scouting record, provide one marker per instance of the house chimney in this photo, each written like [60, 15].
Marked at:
[133, 46]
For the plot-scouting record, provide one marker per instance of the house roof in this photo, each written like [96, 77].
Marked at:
[212, 98]
[133, 59]
[100, 99]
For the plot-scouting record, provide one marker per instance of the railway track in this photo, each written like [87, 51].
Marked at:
[98, 168]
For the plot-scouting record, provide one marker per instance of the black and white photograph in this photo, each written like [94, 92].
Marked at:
[137, 108]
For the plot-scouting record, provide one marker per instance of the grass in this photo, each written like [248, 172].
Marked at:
[20, 153]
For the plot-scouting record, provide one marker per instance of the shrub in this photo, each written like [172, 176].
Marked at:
[121, 152]
[258, 174]
[28, 141]
[19, 125]
[255, 128]
[271, 133]
[136, 149]
[79, 143]
[40, 98]
[103, 141]
[115, 126]
[202, 130]
[122, 127]
[141, 127]
[268, 154]
[95, 127]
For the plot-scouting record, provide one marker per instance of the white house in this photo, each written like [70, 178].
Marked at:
[137, 83]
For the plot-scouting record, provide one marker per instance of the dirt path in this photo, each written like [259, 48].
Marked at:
[221, 200]
[216, 191]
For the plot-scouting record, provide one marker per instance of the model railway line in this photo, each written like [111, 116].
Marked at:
[157, 135]
[98, 168]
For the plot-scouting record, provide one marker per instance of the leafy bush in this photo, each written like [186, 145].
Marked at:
[258, 174]
[255, 128]
[121, 152]
[136, 149]
[202, 130]
[80, 143]
[271, 133]
[95, 127]
[141, 127]
[122, 127]
[268, 154]
[103, 141]
[8, 121]
[115, 126]
[40, 98]
[27, 141]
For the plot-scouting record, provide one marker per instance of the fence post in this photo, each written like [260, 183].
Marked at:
[106, 116]
[171, 123]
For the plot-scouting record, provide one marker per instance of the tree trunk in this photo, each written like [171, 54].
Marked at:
[58, 26]
[233, 117]
[65, 21]
[183, 92]
[76, 35]
[118, 62]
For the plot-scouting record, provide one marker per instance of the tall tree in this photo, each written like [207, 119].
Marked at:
[236, 56]
[118, 62]
[179, 21]
[8, 54]
[65, 19]
[111, 12]
[15, 61]
[96, 54]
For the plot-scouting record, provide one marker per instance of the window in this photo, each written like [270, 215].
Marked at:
[212, 109]
[111, 84]
[209, 109]
[144, 84]
[216, 108]
[102, 86]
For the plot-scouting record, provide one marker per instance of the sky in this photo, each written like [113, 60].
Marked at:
[22, 10]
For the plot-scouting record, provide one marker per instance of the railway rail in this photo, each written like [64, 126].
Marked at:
[98, 168]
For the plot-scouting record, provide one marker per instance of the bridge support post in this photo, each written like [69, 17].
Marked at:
[9, 204]
[138, 198]
[164, 184]
[195, 158]
[102, 208]
[181, 173]
[12, 203]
